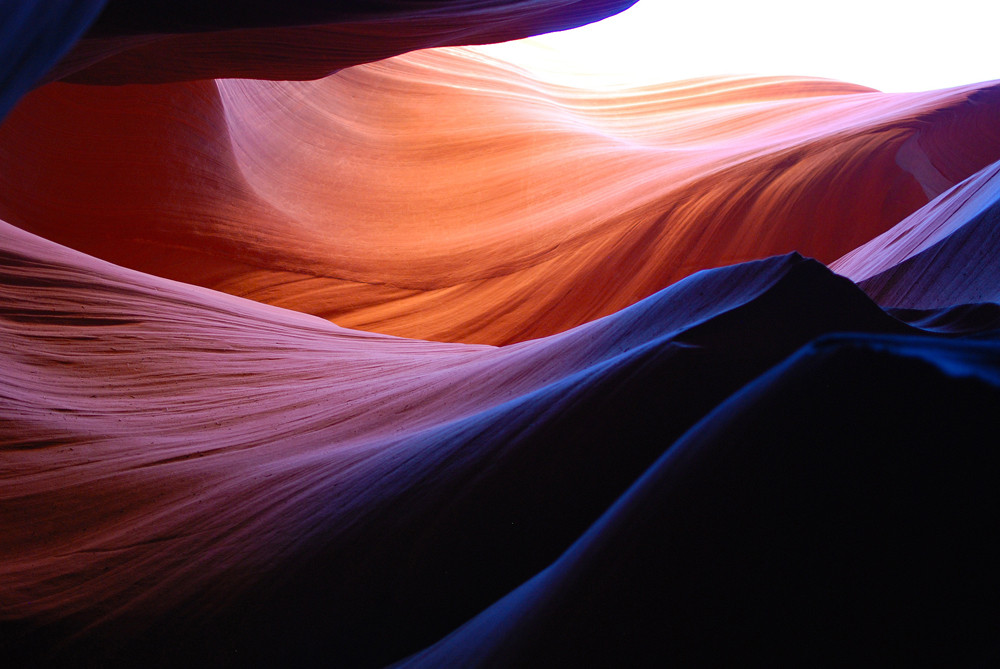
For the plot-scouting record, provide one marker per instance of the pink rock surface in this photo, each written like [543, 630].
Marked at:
[168, 448]
[943, 254]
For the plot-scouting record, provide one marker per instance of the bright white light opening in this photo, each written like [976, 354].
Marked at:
[891, 46]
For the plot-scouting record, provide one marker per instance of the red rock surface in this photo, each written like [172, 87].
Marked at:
[443, 195]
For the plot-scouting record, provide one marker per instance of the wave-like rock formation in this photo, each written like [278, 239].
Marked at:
[531, 376]
[946, 253]
[779, 531]
[231, 444]
[443, 195]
